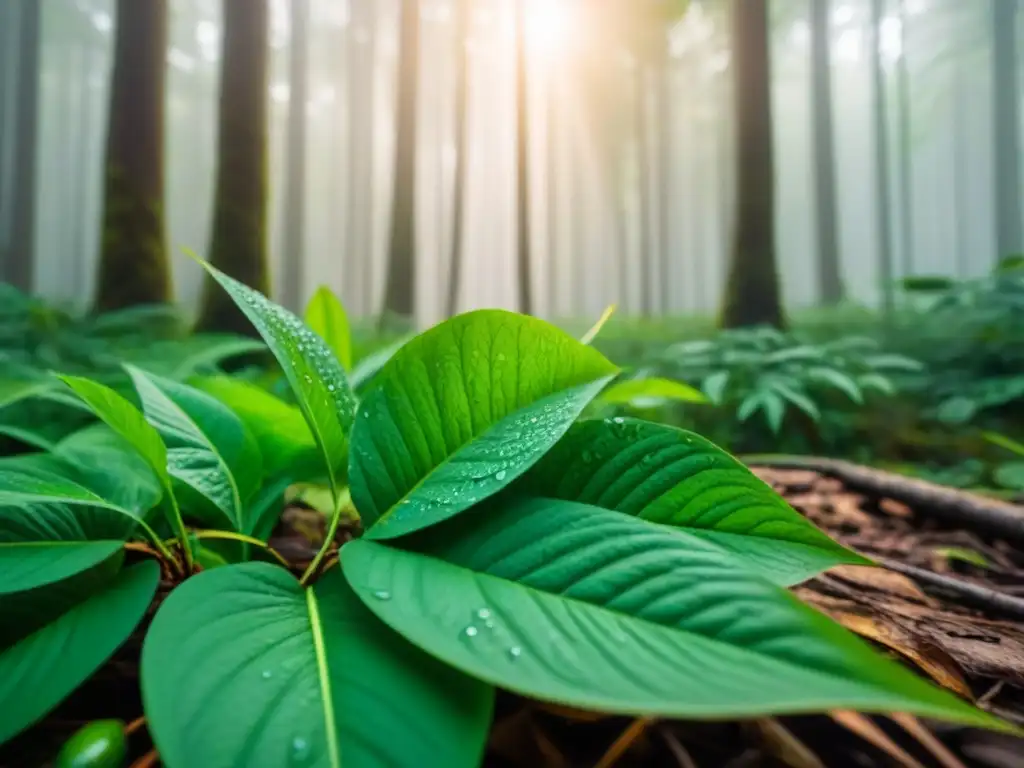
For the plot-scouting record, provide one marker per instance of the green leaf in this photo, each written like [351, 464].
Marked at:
[461, 411]
[41, 670]
[279, 428]
[678, 479]
[326, 315]
[797, 398]
[314, 374]
[652, 389]
[14, 390]
[1010, 475]
[128, 422]
[876, 382]
[311, 677]
[52, 528]
[210, 450]
[595, 609]
[107, 465]
[841, 381]
[714, 386]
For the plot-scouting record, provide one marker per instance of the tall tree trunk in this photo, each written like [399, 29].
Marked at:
[830, 285]
[961, 164]
[400, 289]
[134, 267]
[20, 259]
[361, 132]
[294, 245]
[462, 75]
[1006, 125]
[752, 291]
[523, 266]
[904, 117]
[883, 191]
[238, 243]
[8, 73]
[643, 158]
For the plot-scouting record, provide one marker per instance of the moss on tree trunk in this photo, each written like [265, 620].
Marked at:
[238, 243]
[133, 256]
[752, 295]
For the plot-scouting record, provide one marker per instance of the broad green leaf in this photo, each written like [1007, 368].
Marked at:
[106, 464]
[653, 389]
[594, 609]
[596, 328]
[242, 666]
[128, 422]
[180, 358]
[461, 411]
[315, 375]
[797, 398]
[52, 528]
[326, 315]
[210, 449]
[678, 479]
[41, 670]
[1010, 475]
[279, 428]
[14, 390]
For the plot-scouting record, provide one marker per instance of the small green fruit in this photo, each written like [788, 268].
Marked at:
[100, 744]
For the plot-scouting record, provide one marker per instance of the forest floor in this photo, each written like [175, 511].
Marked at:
[949, 601]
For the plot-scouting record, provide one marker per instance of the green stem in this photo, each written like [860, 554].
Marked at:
[157, 543]
[229, 535]
[332, 530]
[179, 523]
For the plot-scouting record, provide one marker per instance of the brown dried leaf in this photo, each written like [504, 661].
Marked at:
[871, 733]
[780, 743]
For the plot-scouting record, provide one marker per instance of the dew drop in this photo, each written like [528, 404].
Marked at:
[300, 749]
[619, 420]
[515, 652]
[267, 674]
[330, 387]
[484, 613]
[308, 378]
[382, 594]
[501, 475]
[533, 420]
[471, 631]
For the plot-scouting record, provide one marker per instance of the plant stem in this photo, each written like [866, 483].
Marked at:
[182, 533]
[213, 534]
[332, 530]
[160, 546]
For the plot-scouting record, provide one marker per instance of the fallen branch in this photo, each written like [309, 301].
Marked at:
[971, 595]
[991, 517]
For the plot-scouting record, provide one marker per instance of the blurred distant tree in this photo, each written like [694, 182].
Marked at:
[238, 244]
[752, 294]
[18, 263]
[294, 246]
[830, 285]
[362, 50]
[462, 75]
[524, 276]
[400, 288]
[1006, 125]
[133, 255]
[883, 196]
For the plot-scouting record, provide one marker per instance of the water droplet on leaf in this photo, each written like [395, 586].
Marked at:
[515, 652]
[471, 631]
[382, 594]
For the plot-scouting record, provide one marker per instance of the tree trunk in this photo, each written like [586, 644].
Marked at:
[462, 75]
[961, 165]
[134, 267]
[882, 191]
[830, 285]
[20, 258]
[238, 244]
[752, 291]
[8, 73]
[400, 290]
[523, 267]
[1006, 125]
[361, 78]
[293, 252]
[904, 114]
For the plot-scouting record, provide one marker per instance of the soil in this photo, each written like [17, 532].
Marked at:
[949, 603]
